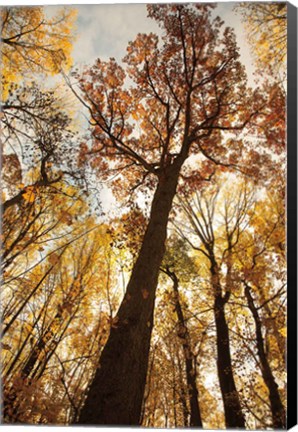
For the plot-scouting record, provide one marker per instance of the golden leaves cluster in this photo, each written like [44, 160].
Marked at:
[34, 43]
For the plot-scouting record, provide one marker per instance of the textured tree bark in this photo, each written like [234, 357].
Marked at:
[277, 408]
[116, 393]
[232, 408]
[183, 396]
[148, 386]
[195, 414]
[233, 412]
[31, 361]
[174, 392]
[279, 339]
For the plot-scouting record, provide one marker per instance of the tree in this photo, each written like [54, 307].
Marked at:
[177, 261]
[186, 94]
[257, 275]
[277, 408]
[244, 257]
[36, 125]
[53, 331]
[266, 26]
[32, 43]
[189, 358]
[200, 212]
[37, 133]
[180, 346]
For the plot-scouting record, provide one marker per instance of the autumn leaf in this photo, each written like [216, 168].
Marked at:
[29, 194]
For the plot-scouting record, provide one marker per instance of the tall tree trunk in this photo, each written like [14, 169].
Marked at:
[174, 393]
[277, 408]
[45, 339]
[148, 385]
[11, 400]
[183, 396]
[189, 358]
[26, 301]
[279, 339]
[116, 393]
[233, 412]
[25, 342]
[232, 408]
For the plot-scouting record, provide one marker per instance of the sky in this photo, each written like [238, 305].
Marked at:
[103, 31]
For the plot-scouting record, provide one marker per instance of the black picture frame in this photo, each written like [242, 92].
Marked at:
[292, 215]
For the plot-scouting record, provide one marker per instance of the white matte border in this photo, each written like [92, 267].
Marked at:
[26, 428]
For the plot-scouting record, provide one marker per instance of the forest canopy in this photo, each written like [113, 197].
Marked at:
[143, 215]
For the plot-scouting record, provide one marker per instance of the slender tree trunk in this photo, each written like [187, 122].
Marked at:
[232, 408]
[39, 347]
[233, 412]
[24, 343]
[189, 358]
[30, 363]
[41, 366]
[166, 409]
[174, 387]
[277, 408]
[11, 398]
[19, 310]
[116, 393]
[279, 339]
[183, 396]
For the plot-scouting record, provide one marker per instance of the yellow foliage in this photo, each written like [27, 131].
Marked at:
[266, 26]
[29, 195]
[33, 43]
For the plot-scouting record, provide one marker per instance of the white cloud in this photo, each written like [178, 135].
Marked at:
[105, 30]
